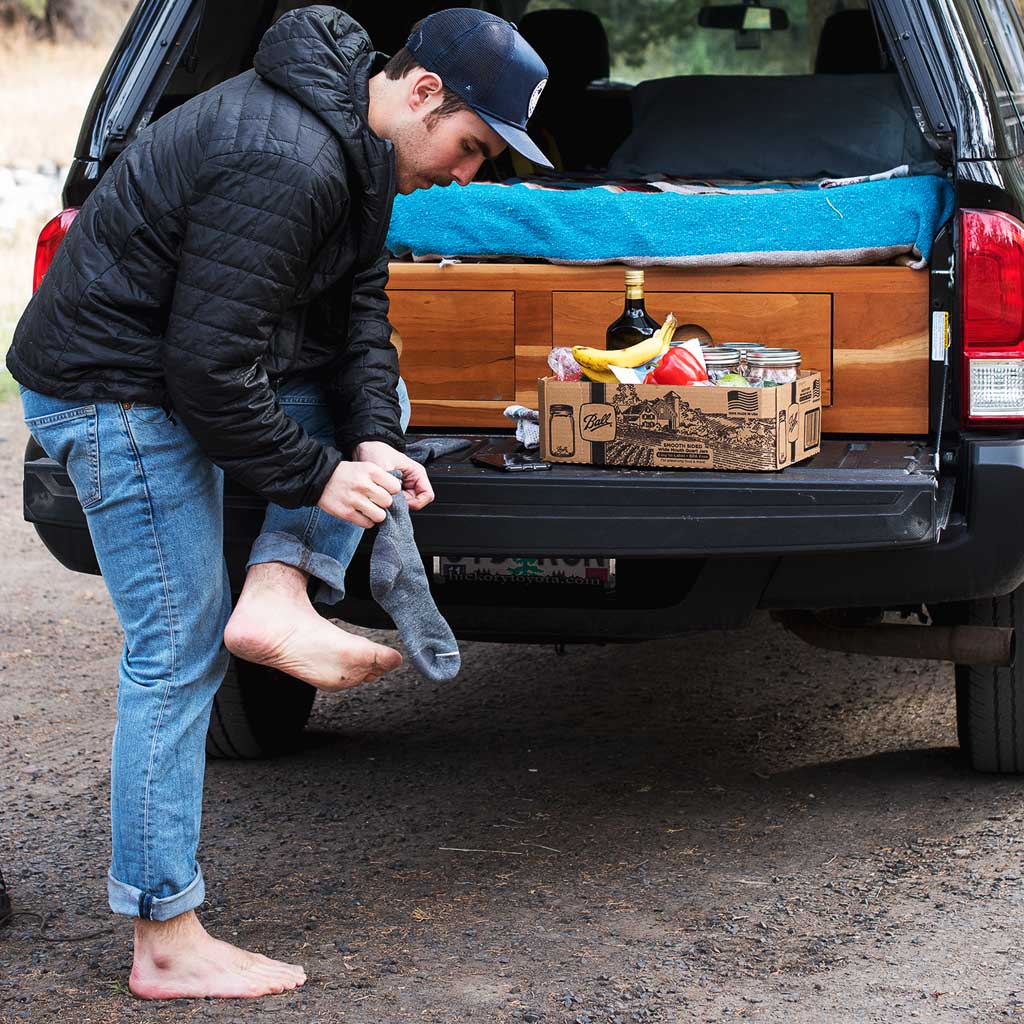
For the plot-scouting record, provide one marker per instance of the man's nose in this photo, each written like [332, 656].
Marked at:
[465, 171]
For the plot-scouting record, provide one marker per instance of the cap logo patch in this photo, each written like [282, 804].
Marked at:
[535, 97]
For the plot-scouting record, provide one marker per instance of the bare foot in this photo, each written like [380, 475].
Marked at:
[178, 959]
[274, 624]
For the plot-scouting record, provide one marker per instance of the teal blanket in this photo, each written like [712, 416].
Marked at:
[801, 225]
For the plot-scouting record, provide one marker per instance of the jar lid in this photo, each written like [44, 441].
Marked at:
[561, 410]
[721, 356]
[774, 357]
[743, 346]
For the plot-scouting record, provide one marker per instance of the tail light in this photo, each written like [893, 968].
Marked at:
[49, 242]
[992, 317]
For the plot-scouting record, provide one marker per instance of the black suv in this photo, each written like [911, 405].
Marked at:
[926, 526]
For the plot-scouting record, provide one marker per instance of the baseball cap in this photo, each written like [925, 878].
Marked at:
[486, 62]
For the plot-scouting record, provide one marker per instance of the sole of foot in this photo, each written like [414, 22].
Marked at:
[308, 647]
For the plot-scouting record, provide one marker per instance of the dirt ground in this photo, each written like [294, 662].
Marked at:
[724, 827]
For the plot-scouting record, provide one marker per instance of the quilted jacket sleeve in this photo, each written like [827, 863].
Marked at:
[363, 387]
[241, 263]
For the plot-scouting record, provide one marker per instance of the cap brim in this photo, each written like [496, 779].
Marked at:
[518, 140]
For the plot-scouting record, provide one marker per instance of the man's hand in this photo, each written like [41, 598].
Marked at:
[360, 493]
[415, 485]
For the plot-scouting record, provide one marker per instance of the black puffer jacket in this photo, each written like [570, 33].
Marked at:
[239, 239]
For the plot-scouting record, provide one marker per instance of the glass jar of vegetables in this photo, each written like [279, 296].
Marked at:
[772, 366]
[720, 361]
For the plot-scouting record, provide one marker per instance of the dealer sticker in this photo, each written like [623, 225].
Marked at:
[524, 570]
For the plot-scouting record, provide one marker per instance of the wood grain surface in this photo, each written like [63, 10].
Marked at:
[480, 333]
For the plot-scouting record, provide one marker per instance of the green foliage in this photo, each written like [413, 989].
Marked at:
[657, 38]
[77, 19]
[32, 8]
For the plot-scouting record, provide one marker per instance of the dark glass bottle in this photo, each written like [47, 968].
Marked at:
[634, 324]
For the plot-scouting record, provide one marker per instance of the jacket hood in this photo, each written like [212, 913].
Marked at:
[324, 59]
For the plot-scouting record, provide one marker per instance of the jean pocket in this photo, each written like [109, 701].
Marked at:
[150, 414]
[70, 437]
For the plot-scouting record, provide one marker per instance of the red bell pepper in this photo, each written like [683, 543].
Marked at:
[677, 366]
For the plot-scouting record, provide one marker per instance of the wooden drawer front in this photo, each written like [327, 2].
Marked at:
[457, 345]
[785, 320]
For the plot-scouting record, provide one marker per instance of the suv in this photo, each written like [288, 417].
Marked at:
[911, 506]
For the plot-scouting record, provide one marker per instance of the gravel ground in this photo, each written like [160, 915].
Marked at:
[725, 827]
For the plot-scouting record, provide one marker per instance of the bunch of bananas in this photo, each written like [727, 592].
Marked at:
[595, 361]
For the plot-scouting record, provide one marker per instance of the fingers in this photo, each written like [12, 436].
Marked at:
[356, 519]
[372, 511]
[383, 478]
[419, 493]
[379, 486]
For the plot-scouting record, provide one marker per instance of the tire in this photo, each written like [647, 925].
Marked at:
[257, 712]
[990, 700]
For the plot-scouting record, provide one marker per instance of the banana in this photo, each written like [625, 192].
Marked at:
[597, 360]
[599, 376]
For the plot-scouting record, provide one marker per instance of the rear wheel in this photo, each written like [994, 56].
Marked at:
[990, 700]
[258, 712]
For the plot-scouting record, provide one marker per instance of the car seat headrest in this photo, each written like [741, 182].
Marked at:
[848, 45]
[571, 42]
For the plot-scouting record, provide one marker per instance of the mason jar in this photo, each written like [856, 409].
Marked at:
[773, 366]
[743, 347]
[720, 361]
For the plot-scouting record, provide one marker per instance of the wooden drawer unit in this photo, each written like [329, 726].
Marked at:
[477, 336]
[801, 321]
[458, 346]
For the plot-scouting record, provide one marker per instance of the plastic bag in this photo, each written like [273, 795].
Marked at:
[562, 364]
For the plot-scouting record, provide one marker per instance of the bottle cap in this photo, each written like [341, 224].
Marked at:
[634, 277]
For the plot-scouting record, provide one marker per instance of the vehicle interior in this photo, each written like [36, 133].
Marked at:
[654, 88]
[656, 96]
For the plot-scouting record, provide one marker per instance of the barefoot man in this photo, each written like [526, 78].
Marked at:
[218, 307]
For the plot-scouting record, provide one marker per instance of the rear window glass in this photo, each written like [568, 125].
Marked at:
[1007, 31]
[660, 38]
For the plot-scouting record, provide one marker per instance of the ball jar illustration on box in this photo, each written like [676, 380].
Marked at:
[562, 431]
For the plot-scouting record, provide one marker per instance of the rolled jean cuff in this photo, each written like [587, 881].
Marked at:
[126, 899]
[289, 550]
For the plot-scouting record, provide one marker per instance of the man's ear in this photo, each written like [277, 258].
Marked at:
[424, 90]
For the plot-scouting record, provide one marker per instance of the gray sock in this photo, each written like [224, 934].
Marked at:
[426, 449]
[399, 585]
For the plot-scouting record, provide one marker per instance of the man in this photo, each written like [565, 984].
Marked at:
[218, 306]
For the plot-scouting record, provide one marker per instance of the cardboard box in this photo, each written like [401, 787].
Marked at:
[680, 427]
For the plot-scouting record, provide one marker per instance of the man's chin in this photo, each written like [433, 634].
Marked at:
[411, 185]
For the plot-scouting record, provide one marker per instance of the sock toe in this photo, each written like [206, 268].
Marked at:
[438, 661]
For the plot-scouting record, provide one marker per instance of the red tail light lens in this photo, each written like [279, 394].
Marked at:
[992, 317]
[49, 242]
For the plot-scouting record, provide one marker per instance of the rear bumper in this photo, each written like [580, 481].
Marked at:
[851, 496]
[861, 524]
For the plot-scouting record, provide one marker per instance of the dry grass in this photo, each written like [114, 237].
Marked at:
[45, 88]
[17, 254]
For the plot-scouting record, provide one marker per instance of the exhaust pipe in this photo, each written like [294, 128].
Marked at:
[966, 645]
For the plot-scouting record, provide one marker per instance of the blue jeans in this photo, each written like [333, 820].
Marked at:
[154, 505]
